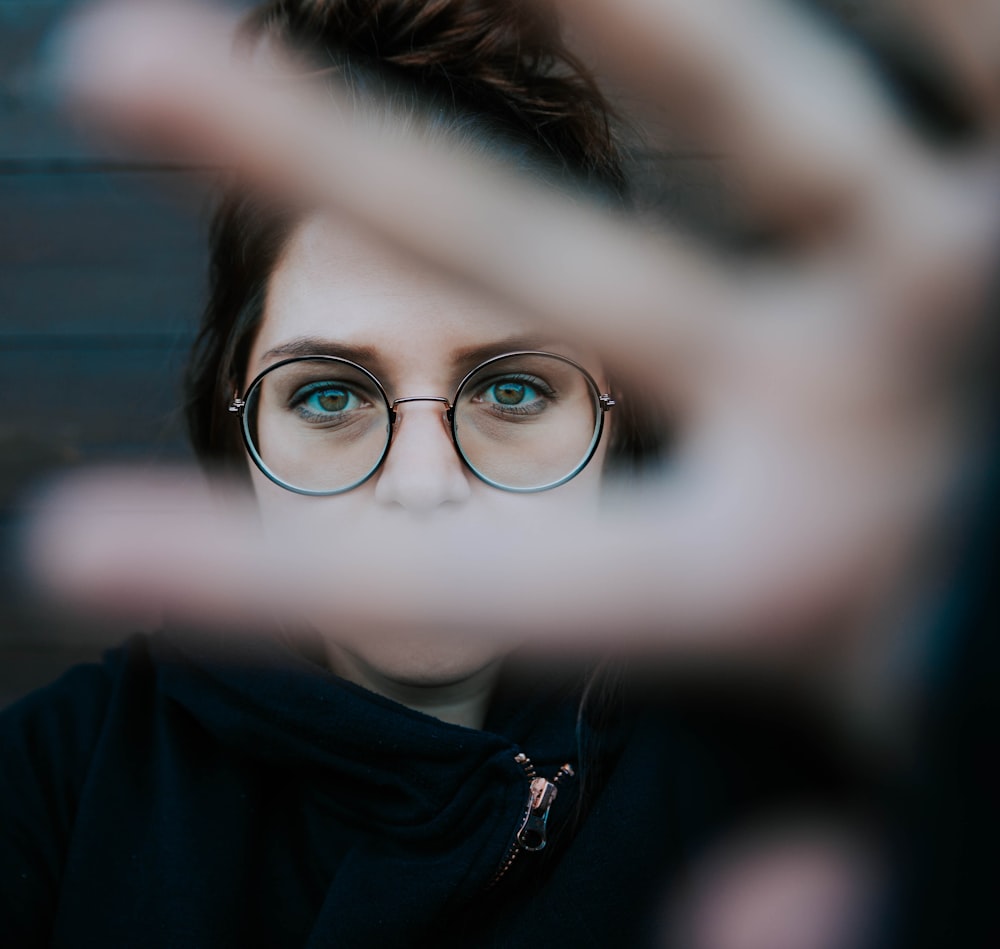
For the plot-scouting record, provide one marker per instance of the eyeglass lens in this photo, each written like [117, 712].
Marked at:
[321, 425]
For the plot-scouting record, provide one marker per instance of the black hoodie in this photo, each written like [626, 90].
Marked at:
[175, 797]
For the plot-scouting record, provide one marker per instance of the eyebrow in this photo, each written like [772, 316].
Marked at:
[367, 356]
[472, 356]
[464, 359]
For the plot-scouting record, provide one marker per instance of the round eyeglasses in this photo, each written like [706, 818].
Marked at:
[320, 425]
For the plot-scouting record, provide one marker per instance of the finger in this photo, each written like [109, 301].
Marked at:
[797, 110]
[167, 73]
[120, 544]
[759, 569]
[904, 236]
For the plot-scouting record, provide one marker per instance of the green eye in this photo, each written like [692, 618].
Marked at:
[510, 392]
[329, 400]
[514, 395]
[321, 400]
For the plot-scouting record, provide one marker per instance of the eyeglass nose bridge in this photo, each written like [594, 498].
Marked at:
[421, 398]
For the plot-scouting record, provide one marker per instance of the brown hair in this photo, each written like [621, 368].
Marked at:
[492, 74]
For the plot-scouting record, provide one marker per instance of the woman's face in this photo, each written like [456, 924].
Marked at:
[336, 292]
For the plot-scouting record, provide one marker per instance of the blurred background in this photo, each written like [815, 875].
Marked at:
[101, 273]
[102, 270]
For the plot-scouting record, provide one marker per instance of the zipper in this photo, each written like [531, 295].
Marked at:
[531, 834]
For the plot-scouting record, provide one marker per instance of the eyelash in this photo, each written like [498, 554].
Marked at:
[543, 388]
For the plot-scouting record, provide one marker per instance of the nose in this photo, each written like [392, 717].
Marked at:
[422, 470]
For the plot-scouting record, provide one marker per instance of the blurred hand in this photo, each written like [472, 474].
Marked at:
[823, 396]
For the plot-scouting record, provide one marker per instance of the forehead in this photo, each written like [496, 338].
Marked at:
[338, 284]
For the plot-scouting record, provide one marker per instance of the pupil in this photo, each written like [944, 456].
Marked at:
[510, 393]
[333, 400]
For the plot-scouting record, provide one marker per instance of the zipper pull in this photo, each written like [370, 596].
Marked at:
[531, 834]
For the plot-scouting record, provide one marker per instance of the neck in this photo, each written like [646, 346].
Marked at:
[463, 701]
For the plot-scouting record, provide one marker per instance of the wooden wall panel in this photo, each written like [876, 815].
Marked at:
[97, 253]
[101, 279]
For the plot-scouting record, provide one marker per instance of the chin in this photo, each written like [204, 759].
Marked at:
[415, 660]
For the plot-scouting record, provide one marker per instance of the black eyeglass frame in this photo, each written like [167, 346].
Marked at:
[603, 401]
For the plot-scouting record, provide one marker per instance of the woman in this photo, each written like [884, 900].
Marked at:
[345, 786]
[291, 286]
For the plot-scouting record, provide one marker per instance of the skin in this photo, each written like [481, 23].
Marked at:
[419, 333]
